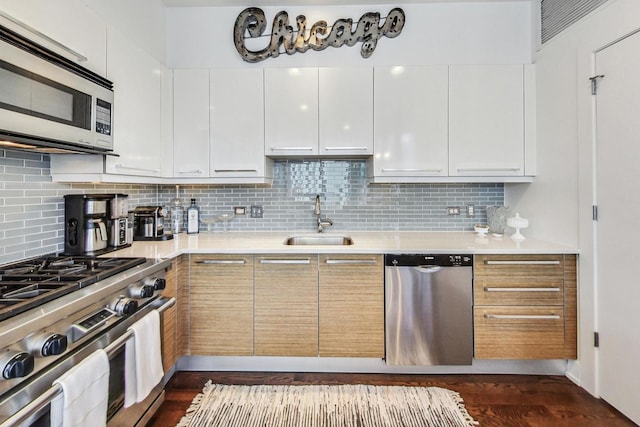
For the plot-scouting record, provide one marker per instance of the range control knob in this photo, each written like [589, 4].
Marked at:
[16, 364]
[158, 283]
[140, 291]
[124, 306]
[54, 345]
[47, 344]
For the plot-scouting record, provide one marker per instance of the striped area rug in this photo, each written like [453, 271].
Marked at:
[326, 406]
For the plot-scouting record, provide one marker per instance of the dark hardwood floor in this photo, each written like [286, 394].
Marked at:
[492, 400]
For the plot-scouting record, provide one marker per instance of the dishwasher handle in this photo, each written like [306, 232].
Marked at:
[428, 269]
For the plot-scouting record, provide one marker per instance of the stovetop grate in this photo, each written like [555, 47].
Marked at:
[30, 283]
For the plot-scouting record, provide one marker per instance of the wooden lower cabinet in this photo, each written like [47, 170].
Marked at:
[169, 320]
[525, 307]
[221, 304]
[351, 306]
[519, 332]
[286, 305]
[182, 306]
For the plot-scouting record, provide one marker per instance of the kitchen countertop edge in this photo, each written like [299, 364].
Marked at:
[364, 243]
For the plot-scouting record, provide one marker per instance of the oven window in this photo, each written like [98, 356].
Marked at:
[28, 93]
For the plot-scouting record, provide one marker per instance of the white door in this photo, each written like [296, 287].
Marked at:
[618, 200]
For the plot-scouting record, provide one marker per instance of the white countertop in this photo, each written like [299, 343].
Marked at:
[364, 242]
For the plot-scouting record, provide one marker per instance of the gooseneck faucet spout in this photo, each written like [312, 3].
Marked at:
[316, 209]
[322, 222]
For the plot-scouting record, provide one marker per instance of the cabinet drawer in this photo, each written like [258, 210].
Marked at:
[519, 332]
[518, 280]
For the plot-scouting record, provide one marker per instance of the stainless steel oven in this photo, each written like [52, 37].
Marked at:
[44, 340]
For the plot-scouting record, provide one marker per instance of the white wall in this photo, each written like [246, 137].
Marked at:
[559, 201]
[435, 33]
[142, 21]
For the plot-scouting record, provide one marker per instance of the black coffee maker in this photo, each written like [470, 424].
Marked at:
[85, 224]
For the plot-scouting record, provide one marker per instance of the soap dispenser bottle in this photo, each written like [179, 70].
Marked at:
[193, 218]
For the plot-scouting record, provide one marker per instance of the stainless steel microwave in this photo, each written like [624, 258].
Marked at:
[49, 103]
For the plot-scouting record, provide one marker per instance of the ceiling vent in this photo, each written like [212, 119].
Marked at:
[556, 15]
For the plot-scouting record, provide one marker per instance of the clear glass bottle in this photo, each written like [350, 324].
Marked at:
[193, 218]
[176, 213]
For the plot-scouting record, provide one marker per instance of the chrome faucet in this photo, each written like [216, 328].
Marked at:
[322, 222]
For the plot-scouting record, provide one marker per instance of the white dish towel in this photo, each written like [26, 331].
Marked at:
[143, 359]
[85, 394]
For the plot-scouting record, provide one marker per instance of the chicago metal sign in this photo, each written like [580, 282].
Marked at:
[368, 29]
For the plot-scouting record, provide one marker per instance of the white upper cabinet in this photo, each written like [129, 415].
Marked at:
[137, 78]
[345, 111]
[486, 120]
[237, 126]
[410, 116]
[291, 111]
[318, 111]
[68, 22]
[190, 123]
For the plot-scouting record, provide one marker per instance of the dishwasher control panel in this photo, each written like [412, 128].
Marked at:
[441, 260]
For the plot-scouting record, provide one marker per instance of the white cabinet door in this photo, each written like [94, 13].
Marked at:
[410, 122]
[237, 124]
[486, 120]
[190, 123]
[69, 22]
[345, 111]
[137, 79]
[291, 111]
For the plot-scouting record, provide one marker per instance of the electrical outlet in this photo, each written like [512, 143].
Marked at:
[256, 211]
[240, 210]
[453, 210]
[471, 211]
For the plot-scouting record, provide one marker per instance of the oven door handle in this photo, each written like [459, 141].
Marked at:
[45, 398]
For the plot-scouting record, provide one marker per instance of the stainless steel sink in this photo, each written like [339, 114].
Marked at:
[319, 240]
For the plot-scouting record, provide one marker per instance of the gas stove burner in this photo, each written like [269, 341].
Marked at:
[27, 284]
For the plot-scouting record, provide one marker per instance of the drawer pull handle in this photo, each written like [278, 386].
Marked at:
[352, 261]
[346, 148]
[198, 171]
[514, 169]
[488, 289]
[411, 170]
[221, 261]
[236, 170]
[285, 261]
[533, 262]
[291, 148]
[523, 316]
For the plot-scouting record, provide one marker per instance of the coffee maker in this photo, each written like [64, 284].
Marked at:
[95, 223]
[85, 224]
[149, 223]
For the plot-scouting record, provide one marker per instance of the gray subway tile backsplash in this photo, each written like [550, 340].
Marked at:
[32, 206]
[345, 198]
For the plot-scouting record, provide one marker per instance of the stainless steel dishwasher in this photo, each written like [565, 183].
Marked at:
[428, 309]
